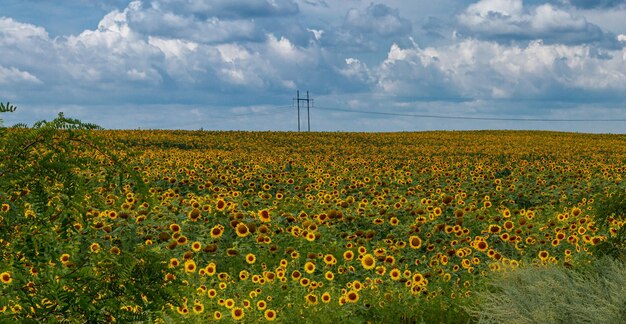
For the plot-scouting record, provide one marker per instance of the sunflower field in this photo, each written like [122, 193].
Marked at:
[195, 226]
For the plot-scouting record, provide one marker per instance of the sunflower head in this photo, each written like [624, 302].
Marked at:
[5, 278]
[368, 262]
[242, 230]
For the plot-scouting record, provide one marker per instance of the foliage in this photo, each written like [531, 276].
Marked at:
[7, 108]
[555, 294]
[51, 178]
[610, 212]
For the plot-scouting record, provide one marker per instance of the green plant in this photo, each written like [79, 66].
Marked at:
[610, 211]
[59, 259]
[7, 108]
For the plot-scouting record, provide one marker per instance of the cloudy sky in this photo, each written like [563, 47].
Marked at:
[392, 65]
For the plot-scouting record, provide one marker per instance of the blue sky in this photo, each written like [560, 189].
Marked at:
[236, 64]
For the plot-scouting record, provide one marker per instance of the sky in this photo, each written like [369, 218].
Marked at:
[397, 65]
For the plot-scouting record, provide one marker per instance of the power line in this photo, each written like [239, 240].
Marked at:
[466, 117]
[266, 112]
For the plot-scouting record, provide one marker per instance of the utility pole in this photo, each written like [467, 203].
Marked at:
[308, 108]
[308, 113]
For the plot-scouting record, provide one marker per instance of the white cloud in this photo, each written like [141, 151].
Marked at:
[511, 20]
[104, 54]
[231, 53]
[162, 23]
[134, 74]
[173, 48]
[481, 11]
[356, 70]
[316, 33]
[13, 75]
[485, 69]
[377, 19]
[364, 27]
[239, 66]
[13, 31]
[21, 42]
[396, 54]
[548, 17]
[112, 33]
[413, 72]
[284, 48]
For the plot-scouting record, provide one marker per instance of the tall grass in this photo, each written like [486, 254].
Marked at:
[593, 294]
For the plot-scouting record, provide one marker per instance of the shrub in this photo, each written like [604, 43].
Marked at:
[610, 211]
[58, 257]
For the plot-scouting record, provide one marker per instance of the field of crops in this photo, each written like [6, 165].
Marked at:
[306, 227]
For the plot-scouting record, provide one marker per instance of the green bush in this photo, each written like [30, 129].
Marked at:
[59, 261]
[610, 210]
[595, 293]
